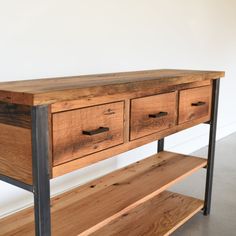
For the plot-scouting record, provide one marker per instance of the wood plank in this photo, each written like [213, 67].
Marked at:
[104, 98]
[69, 140]
[141, 109]
[194, 103]
[108, 197]
[16, 97]
[48, 91]
[16, 115]
[99, 156]
[166, 212]
[16, 153]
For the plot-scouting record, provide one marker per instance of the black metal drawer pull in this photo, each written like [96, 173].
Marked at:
[95, 131]
[158, 115]
[197, 104]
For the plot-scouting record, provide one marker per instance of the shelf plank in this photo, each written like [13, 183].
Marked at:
[166, 212]
[107, 198]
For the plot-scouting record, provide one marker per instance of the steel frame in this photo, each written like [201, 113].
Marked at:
[40, 169]
[41, 176]
[211, 147]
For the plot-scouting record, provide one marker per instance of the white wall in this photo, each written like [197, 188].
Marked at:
[50, 38]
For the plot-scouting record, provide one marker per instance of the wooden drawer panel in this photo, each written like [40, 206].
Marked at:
[194, 103]
[80, 132]
[152, 114]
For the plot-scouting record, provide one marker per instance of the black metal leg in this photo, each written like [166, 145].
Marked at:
[160, 145]
[41, 178]
[211, 147]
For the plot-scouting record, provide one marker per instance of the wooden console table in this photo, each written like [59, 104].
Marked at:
[54, 126]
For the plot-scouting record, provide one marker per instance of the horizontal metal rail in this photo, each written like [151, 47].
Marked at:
[16, 183]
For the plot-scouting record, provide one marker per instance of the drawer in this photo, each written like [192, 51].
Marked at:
[80, 132]
[194, 103]
[152, 114]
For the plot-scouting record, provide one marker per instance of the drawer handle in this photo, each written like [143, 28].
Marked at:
[158, 115]
[95, 131]
[197, 104]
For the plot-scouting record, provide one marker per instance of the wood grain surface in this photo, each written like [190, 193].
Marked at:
[69, 141]
[194, 103]
[48, 91]
[146, 90]
[16, 153]
[142, 124]
[16, 115]
[93, 205]
[99, 156]
[159, 216]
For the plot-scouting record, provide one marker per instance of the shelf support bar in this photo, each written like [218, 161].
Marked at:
[41, 177]
[211, 146]
[16, 183]
[160, 145]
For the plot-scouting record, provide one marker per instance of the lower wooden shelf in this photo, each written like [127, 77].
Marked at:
[103, 202]
[158, 216]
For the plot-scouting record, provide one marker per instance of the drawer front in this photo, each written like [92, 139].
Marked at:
[152, 114]
[194, 103]
[80, 132]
